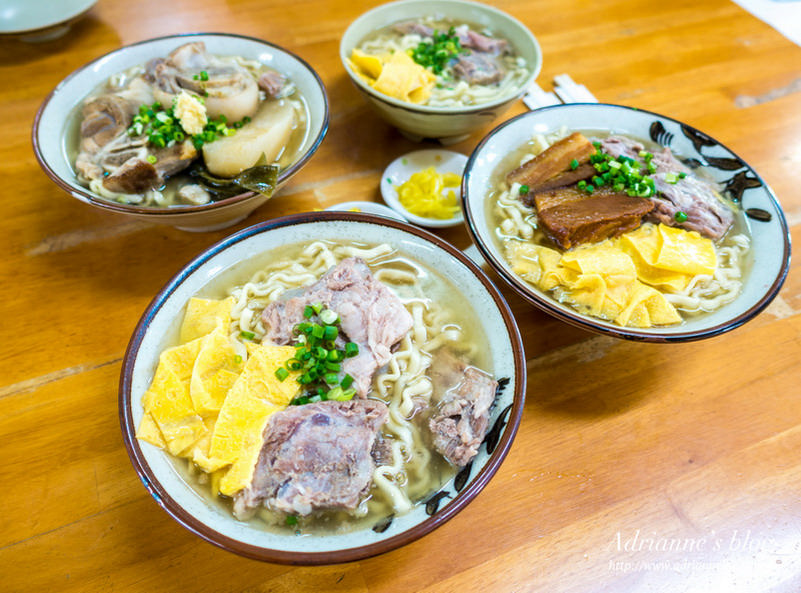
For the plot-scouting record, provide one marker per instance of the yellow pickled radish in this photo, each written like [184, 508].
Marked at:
[424, 194]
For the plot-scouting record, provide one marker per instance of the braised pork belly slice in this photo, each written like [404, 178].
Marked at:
[571, 217]
[315, 457]
[371, 316]
[553, 161]
[461, 420]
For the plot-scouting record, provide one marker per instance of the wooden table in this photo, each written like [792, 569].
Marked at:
[637, 467]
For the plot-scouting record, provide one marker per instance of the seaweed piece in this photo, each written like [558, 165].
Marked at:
[261, 178]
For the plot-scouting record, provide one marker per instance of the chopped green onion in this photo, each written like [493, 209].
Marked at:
[204, 76]
[308, 312]
[151, 158]
[671, 178]
[574, 164]
[247, 335]
[330, 332]
[680, 216]
[238, 359]
[328, 316]
[437, 53]
[351, 349]
[291, 520]
[523, 190]
[682, 175]
[347, 381]
[281, 373]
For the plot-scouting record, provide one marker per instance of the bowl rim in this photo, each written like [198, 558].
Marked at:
[442, 110]
[576, 319]
[95, 200]
[63, 20]
[465, 496]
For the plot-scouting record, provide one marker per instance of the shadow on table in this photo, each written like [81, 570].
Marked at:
[24, 52]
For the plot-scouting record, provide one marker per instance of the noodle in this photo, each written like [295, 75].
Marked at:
[403, 384]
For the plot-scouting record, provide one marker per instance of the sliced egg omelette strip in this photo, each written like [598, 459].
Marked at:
[203, 316]
[216, 368]
[172, 420]
[255, 396]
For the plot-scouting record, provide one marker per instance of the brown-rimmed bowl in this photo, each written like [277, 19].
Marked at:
[158, 328]
[759, 214]
[56, 121]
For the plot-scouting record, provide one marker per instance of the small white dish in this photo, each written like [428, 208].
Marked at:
[367, 208]
[399, 171]
[40, 20]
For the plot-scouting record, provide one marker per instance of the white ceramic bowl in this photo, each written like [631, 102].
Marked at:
[40, 20]
[161, 321]
[399, 171]
[50, 128]
[367, 208]
[447, 124]
[770, 241]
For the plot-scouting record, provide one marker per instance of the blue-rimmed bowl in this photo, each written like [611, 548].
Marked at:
[768, 259]
[249, 247]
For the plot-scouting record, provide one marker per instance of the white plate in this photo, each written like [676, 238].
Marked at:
[399, 171]
[367, 207]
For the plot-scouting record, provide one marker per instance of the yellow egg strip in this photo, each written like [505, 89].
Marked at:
[395, 75]
[247, 408]
[606, 280]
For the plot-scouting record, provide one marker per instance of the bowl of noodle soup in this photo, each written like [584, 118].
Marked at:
[118, 88]
[751, 256]
[447, 107]
[267, 263]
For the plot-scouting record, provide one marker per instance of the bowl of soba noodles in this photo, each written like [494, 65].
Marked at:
[194, 131]
[322, 388]
[439, 69]
[626, 222]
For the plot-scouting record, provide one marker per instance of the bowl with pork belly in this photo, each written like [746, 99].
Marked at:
[194, 131]
[295, 395]
[439, 68]
[626, 222]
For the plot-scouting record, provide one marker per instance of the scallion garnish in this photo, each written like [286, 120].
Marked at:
[680, 216]
[163, 128]
[317, 359]
[436, 54]
[247, 335]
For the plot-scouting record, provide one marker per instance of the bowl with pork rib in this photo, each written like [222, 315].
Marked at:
[194, 131]
[294, 395]
[626, 222]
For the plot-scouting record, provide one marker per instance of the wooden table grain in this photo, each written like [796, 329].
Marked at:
[637, 467]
